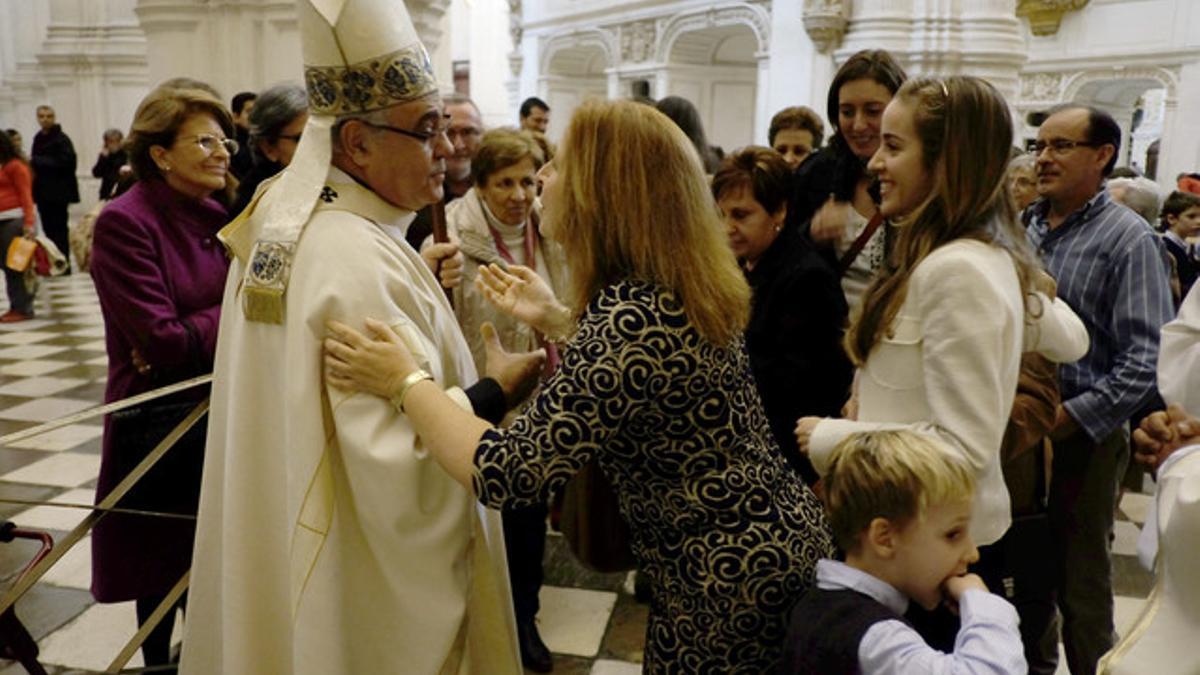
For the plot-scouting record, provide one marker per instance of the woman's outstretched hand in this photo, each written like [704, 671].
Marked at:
[522, 294]
[376, 364]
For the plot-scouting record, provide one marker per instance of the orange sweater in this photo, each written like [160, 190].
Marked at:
[16, 189]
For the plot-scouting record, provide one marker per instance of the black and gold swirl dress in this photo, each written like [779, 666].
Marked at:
[728, 534]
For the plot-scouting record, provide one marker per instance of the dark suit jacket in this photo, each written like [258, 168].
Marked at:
[108, 169]
[1185, 265]
[53, 162]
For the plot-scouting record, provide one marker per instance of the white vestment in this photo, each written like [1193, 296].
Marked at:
[328, 540]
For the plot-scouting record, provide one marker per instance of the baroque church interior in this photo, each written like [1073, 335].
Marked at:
[737, 62]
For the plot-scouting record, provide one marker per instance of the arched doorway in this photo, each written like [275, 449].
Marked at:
[716, 68]
[1140, 101]
[574, 69]
[1130, 102]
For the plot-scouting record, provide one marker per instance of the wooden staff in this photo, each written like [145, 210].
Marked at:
[437, 221]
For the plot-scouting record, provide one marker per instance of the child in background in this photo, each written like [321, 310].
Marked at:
[899, 506]
[1181, 222]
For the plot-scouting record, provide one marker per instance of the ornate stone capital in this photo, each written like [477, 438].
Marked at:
[637, 41]
[427, 19]
[825, 22]
[1046, 15]
[1042, 87]
[515, 28]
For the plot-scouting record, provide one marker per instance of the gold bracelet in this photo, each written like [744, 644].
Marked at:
[406, 384]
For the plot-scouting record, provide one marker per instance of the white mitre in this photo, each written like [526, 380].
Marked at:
[359, 56]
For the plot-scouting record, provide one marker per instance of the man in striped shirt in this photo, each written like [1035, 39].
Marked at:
[1112, 269]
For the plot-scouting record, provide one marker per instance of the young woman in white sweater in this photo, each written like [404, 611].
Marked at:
[939, 337]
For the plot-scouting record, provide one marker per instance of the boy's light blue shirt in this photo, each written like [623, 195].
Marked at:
[987, 642]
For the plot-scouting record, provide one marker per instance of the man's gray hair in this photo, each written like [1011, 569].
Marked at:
[1141, 194]
[456, 98]
[274, 109]
[375, 117]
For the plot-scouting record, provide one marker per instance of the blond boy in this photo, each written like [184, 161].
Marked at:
[899, 505]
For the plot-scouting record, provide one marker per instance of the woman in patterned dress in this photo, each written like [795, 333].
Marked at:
[655, 384]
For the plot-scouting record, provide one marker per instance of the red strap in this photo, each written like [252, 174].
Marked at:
[859, 244]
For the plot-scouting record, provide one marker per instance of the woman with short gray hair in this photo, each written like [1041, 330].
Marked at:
[1140, 194]
[276, 122]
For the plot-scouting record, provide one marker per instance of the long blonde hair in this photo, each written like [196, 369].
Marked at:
[636, 205]
[966, 134]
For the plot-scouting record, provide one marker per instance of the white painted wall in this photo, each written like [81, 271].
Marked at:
[487, 51]
[797, 73]
[725, 96]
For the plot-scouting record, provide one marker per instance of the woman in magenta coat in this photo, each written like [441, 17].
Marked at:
[160, 275]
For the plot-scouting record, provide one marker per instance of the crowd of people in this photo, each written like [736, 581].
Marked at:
[864, 398]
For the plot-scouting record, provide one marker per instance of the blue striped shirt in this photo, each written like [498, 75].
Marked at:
[1112, 270]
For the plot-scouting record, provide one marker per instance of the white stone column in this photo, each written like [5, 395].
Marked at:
[235, 45]
[804, 37]
[662, 83]
[529, 83]
[431, 18]
[970, 37]
[762, 98]
[488, 51]
[22, 29]
[1180, 148]
[92, 63]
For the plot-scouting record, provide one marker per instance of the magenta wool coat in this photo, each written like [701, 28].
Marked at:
[160, 274]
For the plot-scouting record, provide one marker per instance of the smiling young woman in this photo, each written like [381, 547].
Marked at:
[942, 329]
[832, 201]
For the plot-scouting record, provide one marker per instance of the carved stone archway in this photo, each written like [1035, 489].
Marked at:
[597, 38]
[1074, 84]
[755, 17]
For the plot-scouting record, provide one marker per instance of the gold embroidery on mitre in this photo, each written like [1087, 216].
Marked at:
[266, 281]
[401, 76]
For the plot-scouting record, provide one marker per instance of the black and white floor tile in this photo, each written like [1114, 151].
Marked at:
[55, 365]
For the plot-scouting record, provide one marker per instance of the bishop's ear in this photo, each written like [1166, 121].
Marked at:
[353, 140]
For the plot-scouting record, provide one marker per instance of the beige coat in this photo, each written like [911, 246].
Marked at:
[466, 220]
[328, 540]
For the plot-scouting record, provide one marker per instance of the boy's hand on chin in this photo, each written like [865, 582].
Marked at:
[954, 588]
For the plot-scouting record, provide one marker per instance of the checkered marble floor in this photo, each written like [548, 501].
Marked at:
[55, 365]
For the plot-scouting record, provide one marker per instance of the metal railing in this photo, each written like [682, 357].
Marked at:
[108, 505]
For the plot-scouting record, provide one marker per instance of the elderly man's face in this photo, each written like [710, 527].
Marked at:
[465, 132]
[404, 171]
